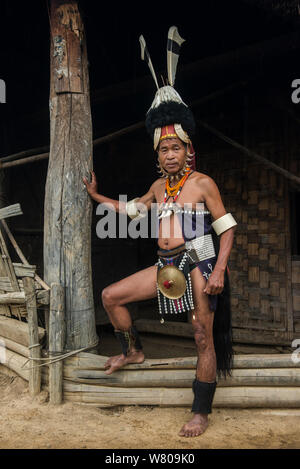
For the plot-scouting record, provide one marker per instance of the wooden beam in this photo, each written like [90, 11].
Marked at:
[12, 298]
[180, 329]
[241, 335]
[29, 159]
[68, 207]
[14, 346]
[16, 362]
[24, 154]
[17, 331]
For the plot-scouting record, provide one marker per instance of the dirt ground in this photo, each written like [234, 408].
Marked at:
[34, 423]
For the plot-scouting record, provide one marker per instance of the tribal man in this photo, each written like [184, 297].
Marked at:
[191, 274]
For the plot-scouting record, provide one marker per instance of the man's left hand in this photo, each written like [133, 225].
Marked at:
[215, 283]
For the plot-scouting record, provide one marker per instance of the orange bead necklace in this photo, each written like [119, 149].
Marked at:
[175, 190]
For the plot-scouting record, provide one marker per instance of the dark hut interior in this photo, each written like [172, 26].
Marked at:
[236, 71]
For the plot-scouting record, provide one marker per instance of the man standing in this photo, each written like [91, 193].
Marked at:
[191, 272]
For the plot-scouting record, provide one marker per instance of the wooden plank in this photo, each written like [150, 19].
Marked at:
[10, 211]
[56, 342]
[238, 397]
[173, 378]
[34, 348]
[5, 285]
[43, 297]
[22, 270]
[17, 330]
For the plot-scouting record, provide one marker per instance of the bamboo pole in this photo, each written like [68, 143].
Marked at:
[173, 378]
[34, 347]
[89, 361]
[56, 341]
[238, 397]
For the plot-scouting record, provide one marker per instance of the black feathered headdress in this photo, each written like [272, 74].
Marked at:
[168, 107]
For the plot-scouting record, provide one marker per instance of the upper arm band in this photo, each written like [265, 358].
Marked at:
[223, 223]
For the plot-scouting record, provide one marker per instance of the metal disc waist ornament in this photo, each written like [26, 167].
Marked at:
[174, 285]
[171, 282]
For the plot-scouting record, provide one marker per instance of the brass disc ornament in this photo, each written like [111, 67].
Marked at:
[171, 282]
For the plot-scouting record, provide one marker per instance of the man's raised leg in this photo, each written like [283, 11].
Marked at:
[136, 287]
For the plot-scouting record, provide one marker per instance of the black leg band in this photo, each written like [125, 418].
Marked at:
[204, 394]
[129, 339]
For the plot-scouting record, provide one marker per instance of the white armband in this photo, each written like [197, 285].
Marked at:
[223, 223]
[131, 208]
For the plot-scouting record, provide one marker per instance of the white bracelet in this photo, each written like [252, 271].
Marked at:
[131, 208]
[223, 223]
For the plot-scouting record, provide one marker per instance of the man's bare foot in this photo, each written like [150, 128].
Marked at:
[114, 363]
[196, 426]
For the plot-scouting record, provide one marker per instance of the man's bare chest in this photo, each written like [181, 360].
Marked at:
[188, 195]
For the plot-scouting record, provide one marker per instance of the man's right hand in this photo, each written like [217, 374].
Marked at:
[91, 187]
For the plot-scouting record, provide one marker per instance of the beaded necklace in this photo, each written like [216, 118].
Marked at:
[175, 190]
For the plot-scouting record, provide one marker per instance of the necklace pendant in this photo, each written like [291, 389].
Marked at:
[166, 210]
[165, 213]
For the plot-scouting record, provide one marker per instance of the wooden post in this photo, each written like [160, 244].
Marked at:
[34, 348]
[56, 342]
[68, 208]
